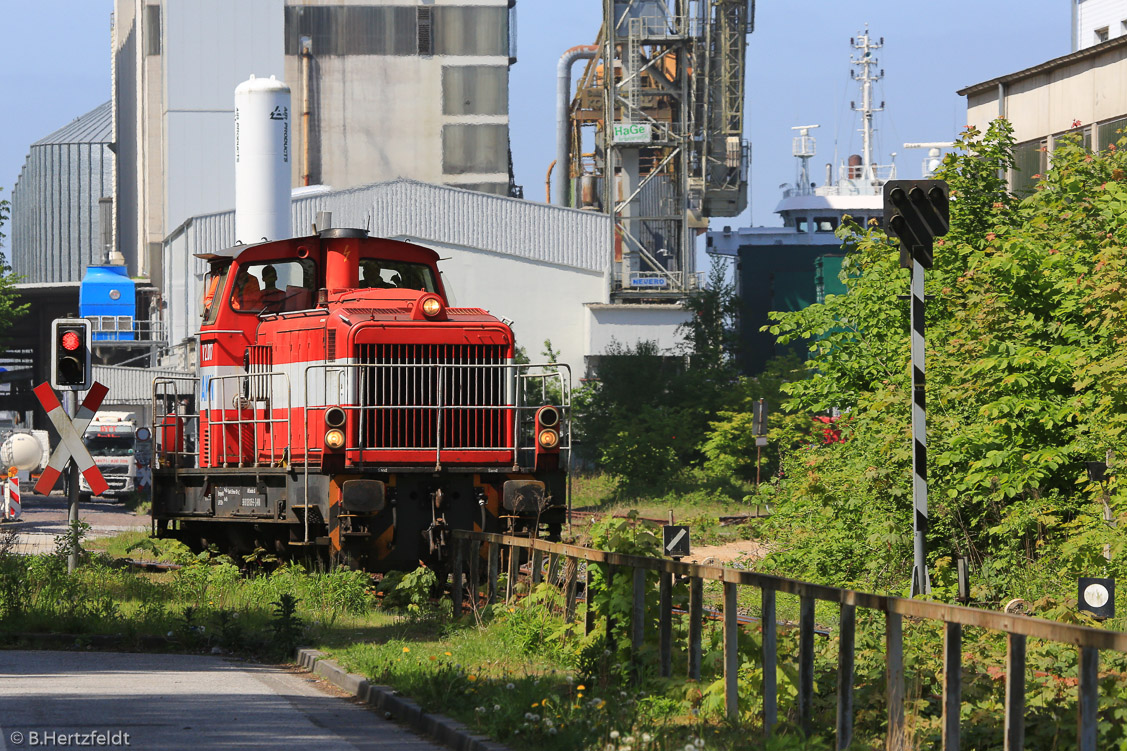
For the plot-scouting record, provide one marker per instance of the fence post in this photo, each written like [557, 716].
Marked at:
[456, 584]
[731, 653]
[553, 562]
[589, 612]
[770, 663]
[848, 628]
[537, 565]
[894, 677]
[494, 572]
[1089, 701]
[475, 571]
[696, 613]
[952, 684]
[513, 573]
[805, 662]
[610, 624]
[638, 621]
[1015, 692]
[665, 619]
[571, 584]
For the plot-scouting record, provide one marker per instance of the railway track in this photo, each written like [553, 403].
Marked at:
[725, 521]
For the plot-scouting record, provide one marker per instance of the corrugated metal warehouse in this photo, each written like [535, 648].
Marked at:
[542, 266]
[55, 218]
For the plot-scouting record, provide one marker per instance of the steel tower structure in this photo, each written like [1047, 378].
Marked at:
[657, 135]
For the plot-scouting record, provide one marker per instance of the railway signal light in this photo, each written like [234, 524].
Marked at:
[71, 355]
[917, 212]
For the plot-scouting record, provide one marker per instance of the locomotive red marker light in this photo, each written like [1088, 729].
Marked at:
[71, 341]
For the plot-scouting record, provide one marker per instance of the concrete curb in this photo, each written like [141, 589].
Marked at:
[446, 731]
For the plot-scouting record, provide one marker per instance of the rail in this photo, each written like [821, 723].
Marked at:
[1018, 629]
[115, 328]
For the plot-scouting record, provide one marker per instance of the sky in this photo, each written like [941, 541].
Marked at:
[57, 59]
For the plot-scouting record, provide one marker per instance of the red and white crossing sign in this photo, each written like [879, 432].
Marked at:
[71, 445]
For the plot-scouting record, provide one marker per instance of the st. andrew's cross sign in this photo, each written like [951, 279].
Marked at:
[70, 443]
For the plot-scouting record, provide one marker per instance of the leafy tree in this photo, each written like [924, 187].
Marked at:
[10, 308]
[1027, 378]
[648, 412]
[710, 333]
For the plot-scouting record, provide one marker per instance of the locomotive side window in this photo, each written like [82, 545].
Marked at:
[378, 273]
[274, 286]
[213, 282]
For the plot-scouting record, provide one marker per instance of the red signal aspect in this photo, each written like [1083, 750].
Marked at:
[71, 341]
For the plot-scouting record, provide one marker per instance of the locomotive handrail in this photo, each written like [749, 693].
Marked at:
[1018, 629]
[161, 397]
[267, 411]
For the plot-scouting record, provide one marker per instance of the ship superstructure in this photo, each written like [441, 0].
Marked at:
[790, 267]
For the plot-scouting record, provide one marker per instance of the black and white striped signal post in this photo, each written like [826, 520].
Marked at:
[916, 211]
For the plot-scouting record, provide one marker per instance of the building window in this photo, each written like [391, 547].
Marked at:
[1082, 135]
[475, 149]
[152, 29]
[1029, 160]
[425, 25]
[475, 90]
[1101, 35]
[471, 30]
[1110, 132]
[354, 29]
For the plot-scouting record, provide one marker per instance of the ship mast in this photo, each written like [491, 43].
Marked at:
[867, 77]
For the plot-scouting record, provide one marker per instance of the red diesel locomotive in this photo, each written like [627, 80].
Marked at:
[343, 407]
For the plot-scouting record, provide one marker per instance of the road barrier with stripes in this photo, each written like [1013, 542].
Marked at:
[564, 564]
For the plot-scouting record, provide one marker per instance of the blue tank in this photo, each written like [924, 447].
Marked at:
[108, 299]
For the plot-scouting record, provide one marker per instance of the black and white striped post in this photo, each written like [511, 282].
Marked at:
[916, 211]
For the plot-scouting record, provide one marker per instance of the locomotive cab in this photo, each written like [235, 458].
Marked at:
[343, 406]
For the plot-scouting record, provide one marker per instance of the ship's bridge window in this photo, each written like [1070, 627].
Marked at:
[825, 223]
[274, 286]
[376, 273]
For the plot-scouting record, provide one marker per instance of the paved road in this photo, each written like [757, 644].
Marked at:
[44, 517]
[179, 702]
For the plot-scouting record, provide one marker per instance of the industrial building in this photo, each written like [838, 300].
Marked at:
[1097, 21]
[398, 122]
[380, 90]
[1082, 94]
[543, 267]
[57, 228]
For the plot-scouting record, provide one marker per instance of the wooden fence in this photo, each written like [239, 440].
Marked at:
[1018, 629]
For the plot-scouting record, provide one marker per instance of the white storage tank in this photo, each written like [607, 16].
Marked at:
[262, 161]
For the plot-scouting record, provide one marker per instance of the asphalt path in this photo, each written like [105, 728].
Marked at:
[116, 700]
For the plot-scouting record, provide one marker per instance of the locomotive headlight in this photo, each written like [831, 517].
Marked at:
[334, 438]
[432, 306]
[548, 439]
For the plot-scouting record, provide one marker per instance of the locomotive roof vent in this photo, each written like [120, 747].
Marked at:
[342, 232]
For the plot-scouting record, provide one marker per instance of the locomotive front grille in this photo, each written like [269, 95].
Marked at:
[433, 396]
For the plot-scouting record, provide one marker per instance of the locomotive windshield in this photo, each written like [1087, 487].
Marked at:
[376, 273]
[274, 286]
